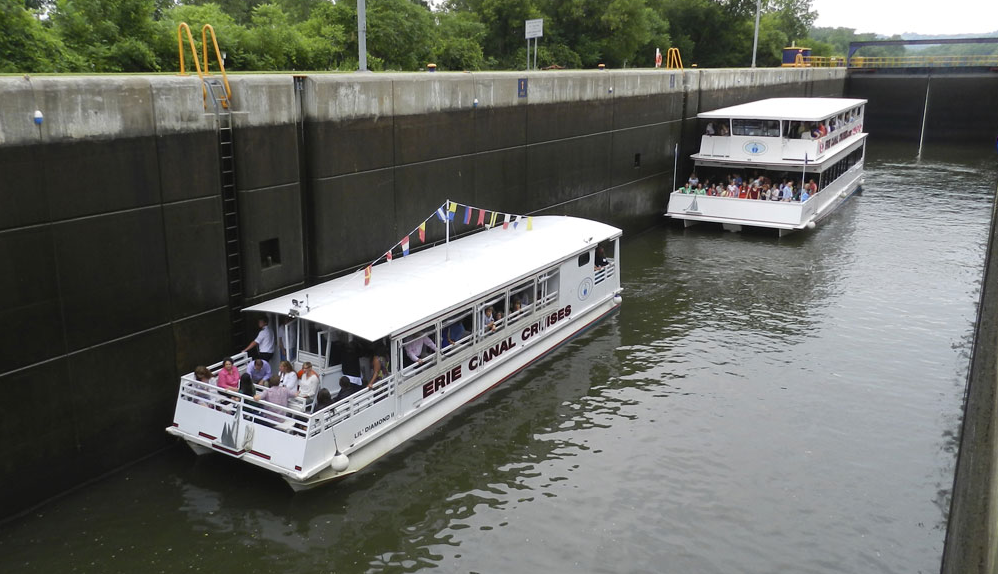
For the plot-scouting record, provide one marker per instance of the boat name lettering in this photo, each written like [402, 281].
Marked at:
[433, 385]
[548, 321]
[829, 142]
[491, 353]
[374, 425]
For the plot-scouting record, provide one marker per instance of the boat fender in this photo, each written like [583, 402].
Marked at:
[340, 462]
[810, 225]
[617, 299]
[844, 194]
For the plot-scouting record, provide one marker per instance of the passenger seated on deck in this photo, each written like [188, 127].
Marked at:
[259, 371]
[804, 195]
[203, 375]
[308, 386]
[346, 389]
[246, 385]
[288, 377]
[228, 375]
[322, 400]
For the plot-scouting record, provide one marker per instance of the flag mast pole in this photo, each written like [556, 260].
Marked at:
[447, 230]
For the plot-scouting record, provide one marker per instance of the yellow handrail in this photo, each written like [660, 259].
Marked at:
[673, 61]
[218, 55]
[180, 49]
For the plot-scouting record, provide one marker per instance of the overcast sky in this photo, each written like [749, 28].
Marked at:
[919, 16]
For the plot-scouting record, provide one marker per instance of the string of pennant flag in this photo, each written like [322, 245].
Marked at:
[449, 212]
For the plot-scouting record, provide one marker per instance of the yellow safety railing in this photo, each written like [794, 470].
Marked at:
[673, 61]
[895, 61]
[194, 54]
[922, 61]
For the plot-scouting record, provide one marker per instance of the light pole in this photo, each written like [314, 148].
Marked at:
[755, 40]
[362, 35]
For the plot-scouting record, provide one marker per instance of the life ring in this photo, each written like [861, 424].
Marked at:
[658, 59]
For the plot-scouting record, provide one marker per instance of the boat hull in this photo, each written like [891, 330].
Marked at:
[786, 217]
[414, 424]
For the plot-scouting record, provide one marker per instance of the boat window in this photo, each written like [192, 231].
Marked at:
[757, 128]
[584, 259]
[547, 288]
[418, 350]
[521, 298]
[456, 332]
[490, 314]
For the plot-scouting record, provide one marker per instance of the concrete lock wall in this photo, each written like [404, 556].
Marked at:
[960, 105]
[113, 237]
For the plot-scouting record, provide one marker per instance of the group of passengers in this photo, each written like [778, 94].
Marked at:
[794, 129]
[760, 187]
[362, 366]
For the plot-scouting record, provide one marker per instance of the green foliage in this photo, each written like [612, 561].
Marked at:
[27, 45]
[400, 32]
[459, 42]
[141, 35]
[109, 35]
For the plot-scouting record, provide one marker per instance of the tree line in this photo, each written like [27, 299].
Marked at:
[318, 35]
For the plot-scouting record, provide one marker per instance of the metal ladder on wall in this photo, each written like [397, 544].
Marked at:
[230, 211]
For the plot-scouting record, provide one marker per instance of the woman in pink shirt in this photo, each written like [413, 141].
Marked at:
[228, 376]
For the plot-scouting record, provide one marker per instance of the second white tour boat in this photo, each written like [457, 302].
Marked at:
[489, 303]
[814, 144]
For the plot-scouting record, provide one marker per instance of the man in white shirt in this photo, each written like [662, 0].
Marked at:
[264, 342]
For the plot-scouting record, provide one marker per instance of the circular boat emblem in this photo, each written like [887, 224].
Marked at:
[754, 148]
[585, 288]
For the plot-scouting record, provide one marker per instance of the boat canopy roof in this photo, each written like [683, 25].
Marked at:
[406, 291]
[794, 109]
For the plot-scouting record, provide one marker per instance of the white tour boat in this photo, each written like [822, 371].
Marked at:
[541, 275]
[814, 142]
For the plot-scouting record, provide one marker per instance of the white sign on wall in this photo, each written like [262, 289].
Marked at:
[534, 28]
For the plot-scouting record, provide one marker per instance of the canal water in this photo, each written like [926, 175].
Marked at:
[758, 405]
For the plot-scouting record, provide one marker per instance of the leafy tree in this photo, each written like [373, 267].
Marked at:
[459, 41]
[110, 35]
[326, 36]
[273, 42]
[27, 45]
[401, 33]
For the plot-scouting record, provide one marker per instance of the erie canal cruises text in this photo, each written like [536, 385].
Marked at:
[780, 163]
[476, 310]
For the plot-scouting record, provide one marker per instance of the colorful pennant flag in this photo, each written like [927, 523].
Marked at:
[505, 222]
[422, 227]
[440, 213]
[530, 224]
[388, 255]
[516, 221]
[481, 216]
[492, 221]
[405, 246]
[451, 211]
[467, 215]
[367, 276]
